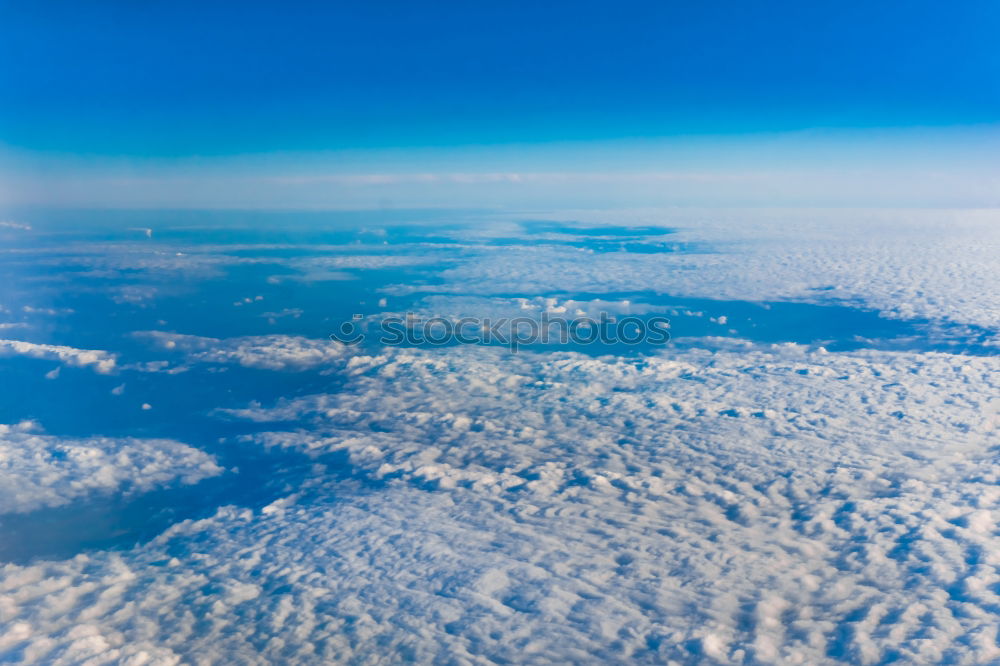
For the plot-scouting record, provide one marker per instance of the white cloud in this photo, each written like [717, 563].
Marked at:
[267, 352]
[456, 306]
[38, 470]
[55, 312]
[7, 224]
[938, 265]
[754, 504]
[812, 492]
[770, 504]
[272, 317]
[337, 267]
[101, 361]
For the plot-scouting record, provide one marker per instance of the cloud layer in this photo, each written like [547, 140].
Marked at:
[723, 501]
[935, 265]
[771, 504]
[266, 352]
[42, 471]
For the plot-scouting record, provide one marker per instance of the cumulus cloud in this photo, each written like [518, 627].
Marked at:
[266, 352]
[532, 307]
[770, 504]
[272, 317]
[100, 361]
[749, 504]
[937, 265]
[41, 470]
[54, 312]
[337, 267]
[810, 492]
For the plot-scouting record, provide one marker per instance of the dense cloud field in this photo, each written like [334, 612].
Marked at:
[195, 472]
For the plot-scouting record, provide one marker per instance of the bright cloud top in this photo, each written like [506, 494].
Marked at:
[565, 477]
[43, 471]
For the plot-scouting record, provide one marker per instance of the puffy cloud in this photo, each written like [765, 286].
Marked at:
[810, 492]
[752, 504]
[338, 267]
[937, 265]
[55, 312]
[101, 361]
[532, 307]
[38, 470]
[469, 403]
[266, 352]
[770, 504]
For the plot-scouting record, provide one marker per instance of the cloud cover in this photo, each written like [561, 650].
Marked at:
[265, 352]
[43, 471]
[772, 504]
[937, 265]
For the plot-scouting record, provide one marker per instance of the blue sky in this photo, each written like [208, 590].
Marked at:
[114, 90]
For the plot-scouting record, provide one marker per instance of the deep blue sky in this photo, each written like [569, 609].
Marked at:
[511, 104]
[209, 78]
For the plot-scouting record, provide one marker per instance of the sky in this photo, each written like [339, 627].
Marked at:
[335, 104]
[190, 465]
